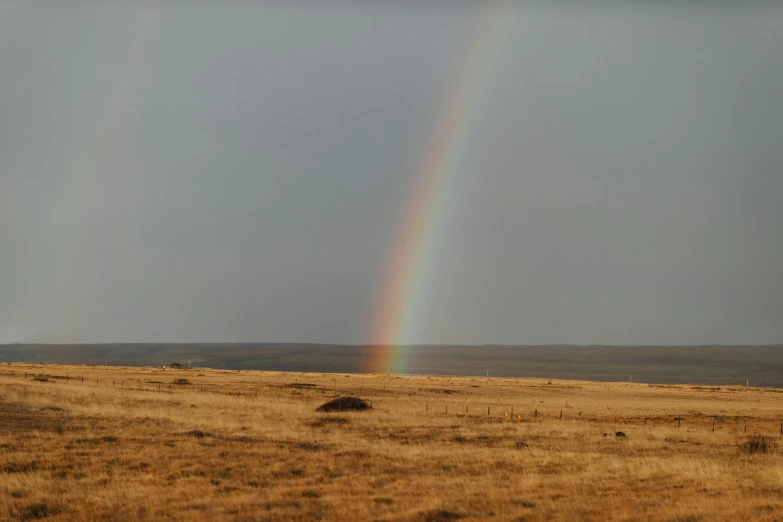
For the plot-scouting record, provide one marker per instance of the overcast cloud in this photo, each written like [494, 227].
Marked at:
[231, 171]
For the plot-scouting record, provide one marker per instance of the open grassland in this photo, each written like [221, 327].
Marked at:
[121, 443]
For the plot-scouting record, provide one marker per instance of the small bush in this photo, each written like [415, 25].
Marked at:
[441, 390]
[758, 444]
[181, 381]
[199, 434]
[345, 404]
[13, 467]
[440, 515]
[36, 511]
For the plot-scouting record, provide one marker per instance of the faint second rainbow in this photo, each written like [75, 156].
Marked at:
[113, 130]
[411, 260]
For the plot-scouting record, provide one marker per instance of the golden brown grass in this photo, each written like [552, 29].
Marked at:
[250, 446]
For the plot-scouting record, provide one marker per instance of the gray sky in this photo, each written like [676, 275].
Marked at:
[233, 171]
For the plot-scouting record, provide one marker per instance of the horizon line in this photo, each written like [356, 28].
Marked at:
[466, 345]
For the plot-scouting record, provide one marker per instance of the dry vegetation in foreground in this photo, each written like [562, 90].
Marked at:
[112, 443]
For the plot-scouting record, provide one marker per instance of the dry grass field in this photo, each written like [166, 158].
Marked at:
[120, 443]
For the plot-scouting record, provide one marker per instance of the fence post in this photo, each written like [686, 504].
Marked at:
[487, 410]
[713, 423]
[427, 408]
[745, 428]
[561, 414]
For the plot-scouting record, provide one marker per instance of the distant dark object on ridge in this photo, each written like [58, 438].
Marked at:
[620, 435]
[175, 365]
[345, 404]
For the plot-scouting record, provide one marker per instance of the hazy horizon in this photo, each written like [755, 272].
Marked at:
[360, 345]
[200, 172]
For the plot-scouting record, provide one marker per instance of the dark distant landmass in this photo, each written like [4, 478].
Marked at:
[760, 365]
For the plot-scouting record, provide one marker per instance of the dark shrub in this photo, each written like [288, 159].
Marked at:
[199, 434]
[758, 444]
[345, 404]
[440, 515]
[36, 511]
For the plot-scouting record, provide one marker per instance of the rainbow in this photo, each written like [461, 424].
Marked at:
[414, 248]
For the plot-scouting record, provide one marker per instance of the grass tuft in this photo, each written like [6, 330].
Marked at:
[199, 434]
[758, 444]
[37, 511]
[441, 515]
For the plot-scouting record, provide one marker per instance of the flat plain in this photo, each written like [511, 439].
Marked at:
[134, 443]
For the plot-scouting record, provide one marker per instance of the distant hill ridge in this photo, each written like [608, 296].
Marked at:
[761, 365]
